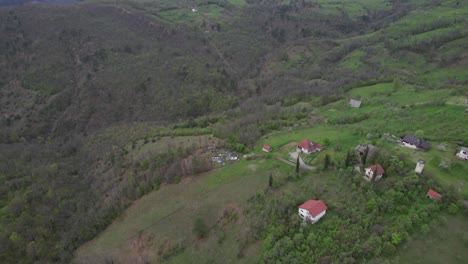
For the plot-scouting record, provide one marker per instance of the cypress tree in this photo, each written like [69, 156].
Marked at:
[297, 164]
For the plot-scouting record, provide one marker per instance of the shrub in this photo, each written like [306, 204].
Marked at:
[200, 229]
[453, 208]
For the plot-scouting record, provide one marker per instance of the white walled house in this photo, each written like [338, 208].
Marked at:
[306, 146]
[312, 210]
[419, 166]
[463, 154]
[267, 148]
[374, 172]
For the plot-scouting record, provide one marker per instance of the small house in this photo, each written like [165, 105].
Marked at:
[419, 166]
[463, 153]
[434, 195]
[233, 156]
[355, 103]
[306, 146]
[312, 210]
[267, 148]
[374, 172]
[415, 143]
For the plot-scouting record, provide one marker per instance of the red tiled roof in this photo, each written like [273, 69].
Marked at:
[267, 147]
[378, 168]
[315, 207]
[433, 194]
[309, 145]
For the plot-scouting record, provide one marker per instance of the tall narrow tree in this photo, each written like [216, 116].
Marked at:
[364, 156]
[348, 159]
[326, 161]
[297, 163]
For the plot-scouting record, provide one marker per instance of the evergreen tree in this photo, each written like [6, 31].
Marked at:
[364, 156]
[348, 159]
[270, 181]
[297, 164]
[326, 161]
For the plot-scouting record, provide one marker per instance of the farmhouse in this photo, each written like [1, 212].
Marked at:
[267, 148]
[306, 146]
[419, 166]
[374, 172]
[434, 195]
[463, 154]
[415, 143]
[312, 210]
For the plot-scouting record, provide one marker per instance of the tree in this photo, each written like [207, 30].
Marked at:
[270, 181]
[297, 163]
[396, 238]
[199, 228]
[364, 156]
[419, 134]
[349, 159]
[326, 161]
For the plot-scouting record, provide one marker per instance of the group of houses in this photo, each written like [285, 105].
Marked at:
[221, 158]
[312, 210]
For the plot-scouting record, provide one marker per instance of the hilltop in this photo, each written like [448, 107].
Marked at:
[102, 102]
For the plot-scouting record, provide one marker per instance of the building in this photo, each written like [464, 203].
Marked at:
[419, 166]
[355, 103]
[233, 156]
[306, 146]
[369, 148]
[267, 148]
[415, 143]
[312, 210]
[463, 153]
[434, 195]
[374, 172]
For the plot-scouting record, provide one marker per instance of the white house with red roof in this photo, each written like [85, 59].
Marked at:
[312, 210]
[434, 195]
[374, 172]
[267, 148]
[463, 154]
[306, 146]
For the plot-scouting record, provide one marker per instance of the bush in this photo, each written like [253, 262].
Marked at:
[200, 229]
[453, 208]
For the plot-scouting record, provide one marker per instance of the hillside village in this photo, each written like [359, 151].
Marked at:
[234, 131]
[313, 210]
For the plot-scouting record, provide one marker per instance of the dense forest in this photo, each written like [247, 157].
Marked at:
[84, 84]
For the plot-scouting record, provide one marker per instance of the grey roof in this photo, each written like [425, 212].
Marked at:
[362, 149]
[419, 143]
[355, 103]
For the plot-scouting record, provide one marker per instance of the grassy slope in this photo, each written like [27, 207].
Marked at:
[169, 214]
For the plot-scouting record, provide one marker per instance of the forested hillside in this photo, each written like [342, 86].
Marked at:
[103, 101]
